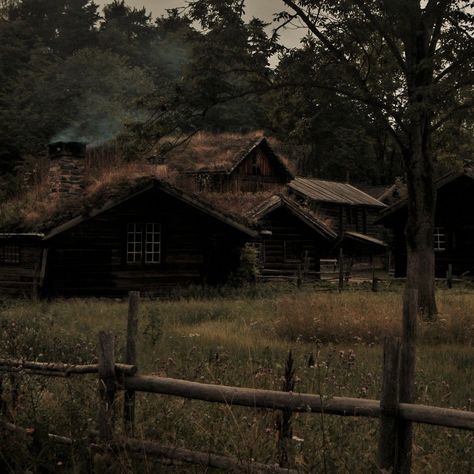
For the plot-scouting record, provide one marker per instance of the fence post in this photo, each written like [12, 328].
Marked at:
[388, 433]
[14, 388]
[341, 270]
[375, 280]
[299, 276]
[407, 378]
[3, 403]
[131, 358]
[449, 276]
[283, 421]
[107, 384]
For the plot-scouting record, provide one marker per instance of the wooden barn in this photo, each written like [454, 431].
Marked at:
[349, 211]
[228, 163]
[453, 238]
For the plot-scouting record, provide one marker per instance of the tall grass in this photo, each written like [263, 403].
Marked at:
[335, 341]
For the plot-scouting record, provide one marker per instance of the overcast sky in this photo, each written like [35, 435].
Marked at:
[263, 9]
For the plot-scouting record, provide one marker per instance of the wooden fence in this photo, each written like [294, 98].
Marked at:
[394, 443]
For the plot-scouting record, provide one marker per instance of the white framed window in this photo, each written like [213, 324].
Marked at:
[143, 243]
[10, 254]
[134, 242]
[439, 237]
[153, 242]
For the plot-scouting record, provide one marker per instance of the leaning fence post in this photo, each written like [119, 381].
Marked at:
[407, 378]
[107, 384]
[131, 358]
[388, 433]
[341, 269]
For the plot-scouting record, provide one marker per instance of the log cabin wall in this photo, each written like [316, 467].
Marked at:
[284, 251]
[91, 258]
[257, 172]
[20, 265]
[454, 227]
[453, 239]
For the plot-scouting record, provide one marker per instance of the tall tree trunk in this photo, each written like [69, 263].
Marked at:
[419, 161]
[420, 222]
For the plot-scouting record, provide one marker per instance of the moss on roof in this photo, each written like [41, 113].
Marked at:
[214, 152]
[36, 210]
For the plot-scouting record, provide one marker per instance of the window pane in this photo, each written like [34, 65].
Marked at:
[9, 254]
[153, 242]
[134, 242]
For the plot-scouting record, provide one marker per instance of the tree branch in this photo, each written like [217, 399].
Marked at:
[367, 97]
[382, 31]
[468, 55]
[451, 113]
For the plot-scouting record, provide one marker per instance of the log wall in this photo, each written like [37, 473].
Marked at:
[90, 259]
[290, 236]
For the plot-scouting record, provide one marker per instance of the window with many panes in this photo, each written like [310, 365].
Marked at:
[10, 254]
[144, 243]
[439, 237]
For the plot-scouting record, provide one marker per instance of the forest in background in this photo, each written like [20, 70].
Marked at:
[73, 71]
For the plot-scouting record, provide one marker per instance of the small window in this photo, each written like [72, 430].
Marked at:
[10, 254]
[439, 239]
[144, 243]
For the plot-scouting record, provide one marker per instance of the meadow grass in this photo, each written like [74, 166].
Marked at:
[336, 342]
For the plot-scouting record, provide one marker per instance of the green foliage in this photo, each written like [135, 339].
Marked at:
[248, 269]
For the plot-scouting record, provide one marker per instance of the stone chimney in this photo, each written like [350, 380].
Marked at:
[66, 169]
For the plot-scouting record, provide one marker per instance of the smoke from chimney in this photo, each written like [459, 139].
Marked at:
[67, 169]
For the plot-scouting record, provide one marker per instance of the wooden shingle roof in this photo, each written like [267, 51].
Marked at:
[333, 192]
[305, 215]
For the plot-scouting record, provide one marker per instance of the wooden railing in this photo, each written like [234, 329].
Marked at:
[112, 376]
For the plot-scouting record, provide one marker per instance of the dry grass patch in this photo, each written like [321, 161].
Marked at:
[365, 317]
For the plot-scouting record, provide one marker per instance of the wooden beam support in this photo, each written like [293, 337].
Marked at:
[107, 384]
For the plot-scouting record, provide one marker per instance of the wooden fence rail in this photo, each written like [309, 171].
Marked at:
[395, 414]
[298, 402]
[12, 365]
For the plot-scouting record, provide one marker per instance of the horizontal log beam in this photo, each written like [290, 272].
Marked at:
[297, 402]
[49, 367]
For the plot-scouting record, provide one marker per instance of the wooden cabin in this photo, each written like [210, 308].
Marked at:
[349, 211]
[453, 239]
[148, 239]
[292, 240]
[238, 165]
